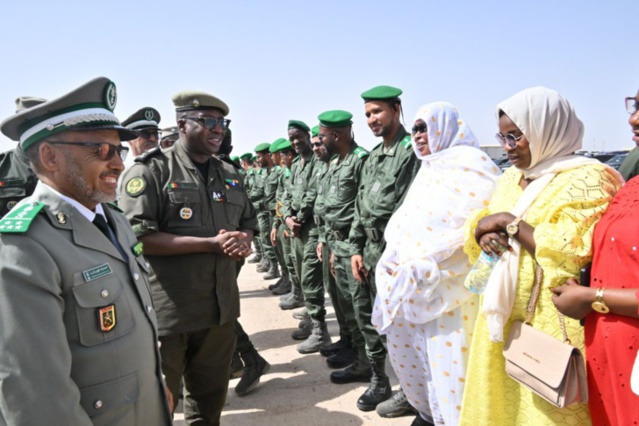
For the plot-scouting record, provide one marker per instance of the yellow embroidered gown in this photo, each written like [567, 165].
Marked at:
[564, 217]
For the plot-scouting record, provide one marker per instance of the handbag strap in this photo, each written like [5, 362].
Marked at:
[534, 298]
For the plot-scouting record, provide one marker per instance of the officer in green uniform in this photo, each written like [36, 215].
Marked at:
[298, 217]
[263, 197]
[169, 136]
[145, 122]
[78, 336]
[192, 214]
[282, 236]
[386, 176]
[246, 160]
[342, 186]
[17, 180]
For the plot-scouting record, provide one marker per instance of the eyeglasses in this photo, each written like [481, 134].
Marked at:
[211, 122]
[419, 128]
[632, 105]
[148, 134]
[106, 151]
[508, 140]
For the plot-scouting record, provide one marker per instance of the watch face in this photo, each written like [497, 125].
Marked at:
[600, 307]
[512, 229]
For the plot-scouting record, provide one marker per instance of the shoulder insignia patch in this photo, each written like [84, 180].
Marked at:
[115, 207]
[144, 157]
[19, 219]
[407, 142]
[287, 172]
[360, 152]
[135, 186]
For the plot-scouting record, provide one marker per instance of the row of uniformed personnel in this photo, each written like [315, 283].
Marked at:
[323, 203]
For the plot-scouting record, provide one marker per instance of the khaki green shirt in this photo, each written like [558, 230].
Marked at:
[629, 168]
[300, 200]
[17, 180]
[270, 188]
[165, 192]
[342, 186]
[386, 176]
[319, 209]
[256, 195]
[284, 186]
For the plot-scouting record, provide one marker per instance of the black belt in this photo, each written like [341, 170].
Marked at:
[318, 220]
[340, 235]
[375, 234]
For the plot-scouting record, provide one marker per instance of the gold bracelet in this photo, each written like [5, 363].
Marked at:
[599, 305]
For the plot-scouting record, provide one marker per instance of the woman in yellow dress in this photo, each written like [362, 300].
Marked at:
[544, 211]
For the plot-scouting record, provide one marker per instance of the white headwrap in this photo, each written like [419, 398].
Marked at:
[420, 274]
[554, 132]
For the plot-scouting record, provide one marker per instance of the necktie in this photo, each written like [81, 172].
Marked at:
[100, 222]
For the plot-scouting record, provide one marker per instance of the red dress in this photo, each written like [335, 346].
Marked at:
[612, 341]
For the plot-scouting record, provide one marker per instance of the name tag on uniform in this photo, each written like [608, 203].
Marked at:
[376, 186]
[97, 272]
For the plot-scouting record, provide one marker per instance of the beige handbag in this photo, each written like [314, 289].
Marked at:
[552, 369]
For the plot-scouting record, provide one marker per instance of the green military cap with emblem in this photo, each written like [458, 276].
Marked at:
[235, 158]
[263, 147]
[26, 102]
[246, 156]
[89, 107]
[170, 131]
[298, 124]
[315, 131]
[144, 118]
[192, 100]
[382, 93]
[275, 146]
[335, 118]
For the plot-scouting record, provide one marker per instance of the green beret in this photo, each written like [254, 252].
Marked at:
[195, 100]
[26, 102]
[275, 146]
[235, 158]
[297, 124]
[285, 145]
[254, 158]
[89, 107]
[335, 118]
[315, 131]
[246, 156]
[381, 93]
[144, 118]
[262, 147]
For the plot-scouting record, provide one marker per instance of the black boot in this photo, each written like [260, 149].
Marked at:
[343, 342]
[254, 367]
[342, 358]
[264, 265]
[283, 288]
[273, 272]
[237, 366]
[378, 391]
[279, 282]
[296, 300]
[358, 371]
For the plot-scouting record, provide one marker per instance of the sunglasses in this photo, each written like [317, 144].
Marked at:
[211, 122]
[149, 134]
[508, 140]
[419, 128]
[105, 151]
[632, 105]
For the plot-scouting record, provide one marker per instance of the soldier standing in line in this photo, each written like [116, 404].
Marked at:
[299, 219]
[386, 176]
[246, 160]
[195, 220]
[17, 180]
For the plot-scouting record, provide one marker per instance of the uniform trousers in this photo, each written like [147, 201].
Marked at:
[309, 270]
[264, 221]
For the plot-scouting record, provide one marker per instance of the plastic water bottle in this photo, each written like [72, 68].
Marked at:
[477, 278]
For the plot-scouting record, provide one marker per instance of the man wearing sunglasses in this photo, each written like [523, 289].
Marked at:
[629, 168]
[78, 336]
[145, 122]
[191, 211]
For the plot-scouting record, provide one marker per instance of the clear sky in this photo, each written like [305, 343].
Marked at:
[272, 61]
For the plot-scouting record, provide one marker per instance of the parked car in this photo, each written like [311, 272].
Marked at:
[616, 161]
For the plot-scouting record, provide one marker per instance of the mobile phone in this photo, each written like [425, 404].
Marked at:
[584, 276]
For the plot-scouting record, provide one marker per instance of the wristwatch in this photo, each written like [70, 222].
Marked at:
[513, 227]
[599, 305]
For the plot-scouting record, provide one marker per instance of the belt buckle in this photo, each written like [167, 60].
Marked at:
[317, 220]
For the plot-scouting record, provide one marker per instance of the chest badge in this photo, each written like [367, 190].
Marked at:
[106, 318]
[217, 197]
[186, 213]
[61, 218]
[11, 204]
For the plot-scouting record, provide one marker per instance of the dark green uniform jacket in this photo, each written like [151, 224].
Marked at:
[17, 180]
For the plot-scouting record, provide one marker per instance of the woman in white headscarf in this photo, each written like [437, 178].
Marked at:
[544, 211]
[422, 305]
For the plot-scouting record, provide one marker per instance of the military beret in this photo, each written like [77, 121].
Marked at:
[262, 147]
[275, 146]
[381, 93]
[89, 107]
[143, 119]
[195, 100]
[170, 131]
[297, 124]
[254, 158]
[285, 145]
[315, 131]
[235, 158]
[26, 102]
[246, 156]
[335, 118]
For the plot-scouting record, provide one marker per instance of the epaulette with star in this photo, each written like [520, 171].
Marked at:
[360, 152]
[18, 220]
[407, 142]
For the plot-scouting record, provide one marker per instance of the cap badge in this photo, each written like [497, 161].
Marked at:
[110, 96]
[61, 218]
[148, 114]
[186, 213]
[195, 103]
